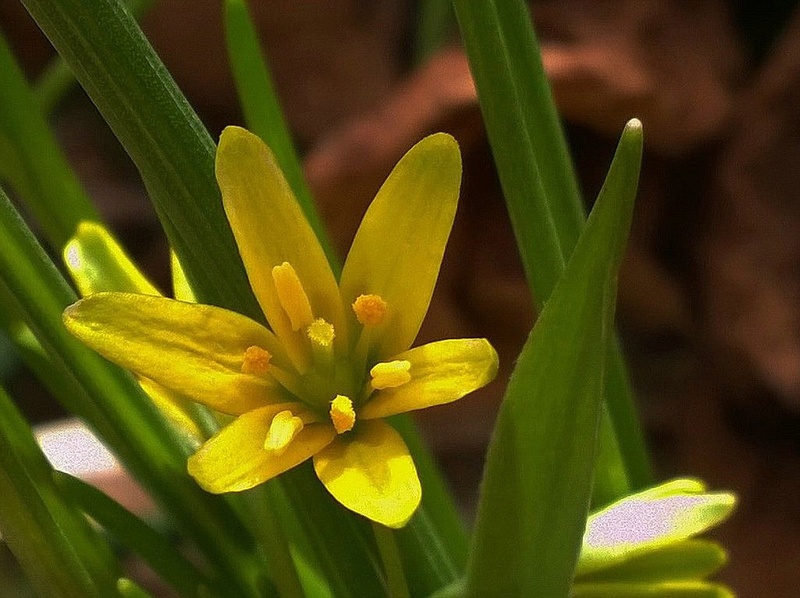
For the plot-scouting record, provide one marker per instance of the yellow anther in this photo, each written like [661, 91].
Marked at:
[284, 427]
[291, 296]
[342, 414]
[256, 361]
[321, 333]
[370, 310]
[390, 374]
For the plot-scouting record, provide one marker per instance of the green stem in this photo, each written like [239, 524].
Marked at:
[392, 563]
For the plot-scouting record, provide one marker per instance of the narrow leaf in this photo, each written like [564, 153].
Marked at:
[135, 535]
[690, 559]
[50, 538]
[542, 196]
[538, 477]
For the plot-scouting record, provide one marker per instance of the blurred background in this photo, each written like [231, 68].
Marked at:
[709, 305]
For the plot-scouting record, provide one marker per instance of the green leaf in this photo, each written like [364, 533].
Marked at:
[678, 589]
[49, 536]
[689, 559]
[134, 534]
[130, 589]
[538, 477]
[543, 199]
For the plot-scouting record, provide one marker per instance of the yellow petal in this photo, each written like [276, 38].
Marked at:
[234, 459]
[270, 229]
[441, 372]
[195, 350]
[96, 263]
[369, 471]
[398, 248]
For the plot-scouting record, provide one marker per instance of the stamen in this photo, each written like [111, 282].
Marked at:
[255, 361]
[321, 333]
[283, 429]
[292, 297]
[342, 414]
[370, 310]
[390, 374]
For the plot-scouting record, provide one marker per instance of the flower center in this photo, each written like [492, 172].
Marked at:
[343, 415]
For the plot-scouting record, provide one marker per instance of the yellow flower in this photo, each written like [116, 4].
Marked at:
[335, 359]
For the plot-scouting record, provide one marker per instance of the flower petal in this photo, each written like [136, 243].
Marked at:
[97, 262]
[270, 229]
[235, 459]
[370, 471]
[398, 248]
[441, 372]
[195, 350]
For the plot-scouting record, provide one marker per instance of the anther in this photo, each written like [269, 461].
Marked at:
[370, 310]
[255, 361]
[321, 333]
[292, 296]
[283, 429]
[342, 414]
[390, 374]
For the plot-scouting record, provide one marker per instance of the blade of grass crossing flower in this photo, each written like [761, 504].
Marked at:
[50, 538]
[134, 534]
[540, 189]
[32, 162]
[355, 573]
[537, 482]
[392, 563]
[263, 113]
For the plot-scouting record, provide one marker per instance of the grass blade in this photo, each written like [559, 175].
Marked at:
[538, 478]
